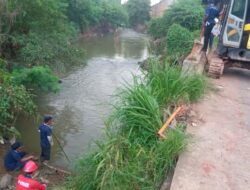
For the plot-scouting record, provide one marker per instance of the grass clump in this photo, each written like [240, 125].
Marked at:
[169, 86]
[120, 164]
[132, 157]
[138, 113]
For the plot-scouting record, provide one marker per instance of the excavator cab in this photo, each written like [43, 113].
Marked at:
[233, 49]
[234, 42]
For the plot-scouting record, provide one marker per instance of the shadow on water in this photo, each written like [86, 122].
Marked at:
[83, 104]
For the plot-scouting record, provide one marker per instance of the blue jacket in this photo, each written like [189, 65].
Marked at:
[45, 131]
[12, 160]
[212, 12]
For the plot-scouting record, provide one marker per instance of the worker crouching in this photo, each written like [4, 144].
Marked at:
[26, 182]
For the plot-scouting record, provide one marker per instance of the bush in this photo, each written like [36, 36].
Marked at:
[46, 49]
[179, 41]
[156, 27]
[14, 99]
[41, 77]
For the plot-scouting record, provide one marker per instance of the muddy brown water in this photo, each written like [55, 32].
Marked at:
[83, 103]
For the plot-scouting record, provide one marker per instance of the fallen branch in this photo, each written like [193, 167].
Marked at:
[57, 169]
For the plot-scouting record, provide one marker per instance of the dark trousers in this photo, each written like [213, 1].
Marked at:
[207, 36]
[45, 153]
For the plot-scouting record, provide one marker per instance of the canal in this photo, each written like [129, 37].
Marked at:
[84, 102]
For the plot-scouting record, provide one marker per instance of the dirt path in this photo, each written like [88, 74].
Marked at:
[219, 156]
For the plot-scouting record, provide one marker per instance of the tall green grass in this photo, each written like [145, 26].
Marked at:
[132, 157]
[121, 165]
[169, 86]
[137, 113]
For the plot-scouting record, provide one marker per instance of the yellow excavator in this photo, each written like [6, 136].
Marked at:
[233, 49]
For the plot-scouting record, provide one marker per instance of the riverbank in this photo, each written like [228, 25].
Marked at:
[131, 133]
[80, 109]
[87, 90]
[53, 177]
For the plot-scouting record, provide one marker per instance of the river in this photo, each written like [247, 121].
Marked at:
[83, 103]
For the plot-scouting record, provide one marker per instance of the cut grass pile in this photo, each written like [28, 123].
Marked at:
[132, 157]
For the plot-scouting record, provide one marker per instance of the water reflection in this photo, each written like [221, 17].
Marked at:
[83, 103]
[127, 45]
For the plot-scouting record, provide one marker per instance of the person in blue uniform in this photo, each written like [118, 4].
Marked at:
[46, 140]
[211, 14]
[15, 159]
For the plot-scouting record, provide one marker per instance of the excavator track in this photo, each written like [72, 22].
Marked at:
[216, 67]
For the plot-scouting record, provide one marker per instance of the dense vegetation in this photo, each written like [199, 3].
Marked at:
[138, 11]
[14, 99]
[186, 13]
[37, 36]
[132, 157]
[102, 13]
[179, 41]
[178, 28]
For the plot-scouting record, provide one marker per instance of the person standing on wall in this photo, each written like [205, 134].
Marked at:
[211, 14]
[46, 140]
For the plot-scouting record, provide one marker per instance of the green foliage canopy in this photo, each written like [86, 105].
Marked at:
[89, 13]
[138, 11]
[38, 76]
[187, 13]
[14, 99]
[36, 32]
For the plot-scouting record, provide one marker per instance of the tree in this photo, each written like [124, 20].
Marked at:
[113, 14]
[32, 33]
[186, 13]
[88, 13]
[139, 11]
[84, 13]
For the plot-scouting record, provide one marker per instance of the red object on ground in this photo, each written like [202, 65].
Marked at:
[30, 167]
[24, 183]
